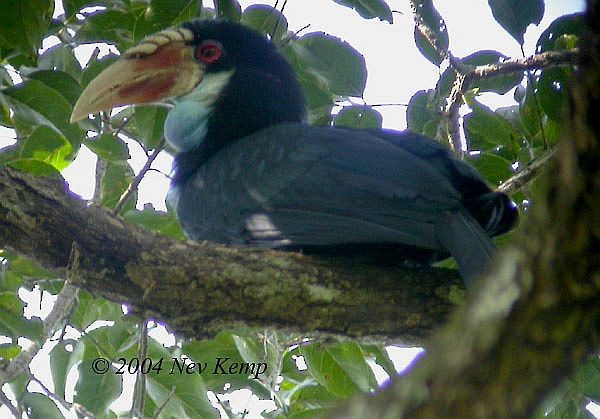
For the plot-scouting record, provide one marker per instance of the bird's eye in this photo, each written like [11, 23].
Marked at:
[209, 52]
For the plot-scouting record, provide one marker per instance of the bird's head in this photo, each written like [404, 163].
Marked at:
[224, 80]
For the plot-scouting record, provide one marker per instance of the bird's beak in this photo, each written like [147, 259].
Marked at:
[160, 67]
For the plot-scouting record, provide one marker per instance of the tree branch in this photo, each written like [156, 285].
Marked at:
[524, 176]
[467, 75]
[199, 289]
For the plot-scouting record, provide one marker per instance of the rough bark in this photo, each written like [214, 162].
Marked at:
[199, 289]
[537, 315]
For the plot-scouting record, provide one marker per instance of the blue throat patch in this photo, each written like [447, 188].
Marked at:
[187, 123]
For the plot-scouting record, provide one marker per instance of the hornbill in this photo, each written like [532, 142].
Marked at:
[249, 171]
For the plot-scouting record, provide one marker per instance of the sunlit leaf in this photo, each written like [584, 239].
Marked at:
[161, 222]
[47, 145]
[34, 167]
[326, 371]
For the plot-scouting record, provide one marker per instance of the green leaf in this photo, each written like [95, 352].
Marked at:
[47, 145]
[516, 15]
[419, 115]
[223, 346]
[91, 309]
[382, 358]
[552, 86]
[564, 25]
[186, 393]
[60, 81]
[95, 391]
[492, 167]
[569, 409]
[8, 351]
[112, 26]
[62, 361]
[23, 24]
[150, 122]
[351, 359]
[229, 10]
[35, 103]
[311, 401]
[369, 9]
[113, 342]
[12, 322]
[165, 13]
[116, 180]
[326, 370]
[528, 112]
[108, 146]
[431, 34]
[158, 221]
[266, 19]
[486, 129]
[40, 406]
[333, 62]
[358, 117]
[60, 58]
[21, 267]
[586, 380]
[319, 97]
[34, 167]
[74, 6]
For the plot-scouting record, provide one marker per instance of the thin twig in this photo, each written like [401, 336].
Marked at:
[526, 175]
[278, 19]
[67, 405]
[139, 397]
[6, 402]
[136, 181]
[59, 315]
[164, 404]
[538, 109]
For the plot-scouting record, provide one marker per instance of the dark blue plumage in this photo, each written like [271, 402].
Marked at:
[258, 176]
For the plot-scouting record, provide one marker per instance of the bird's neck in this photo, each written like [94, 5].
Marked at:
[249, 101]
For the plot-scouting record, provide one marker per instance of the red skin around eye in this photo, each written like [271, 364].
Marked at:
[209, 53]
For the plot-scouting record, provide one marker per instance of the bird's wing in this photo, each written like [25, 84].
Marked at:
[317, 186]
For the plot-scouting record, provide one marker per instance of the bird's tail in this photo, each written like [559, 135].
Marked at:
[472, 248]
